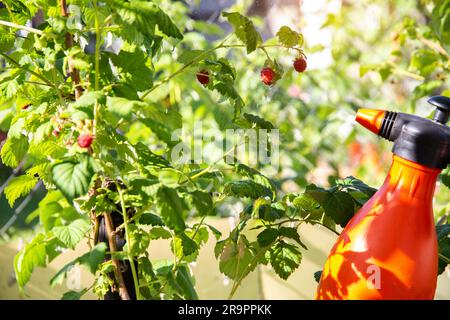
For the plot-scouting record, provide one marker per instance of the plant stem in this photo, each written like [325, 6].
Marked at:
[18, 26]
[127, 236]
[435, 46]
[446, 260]
[74, 72]
[123, 292]
[37, 75]
[97, 65]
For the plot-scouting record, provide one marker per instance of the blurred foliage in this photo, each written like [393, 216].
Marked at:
[139, 87]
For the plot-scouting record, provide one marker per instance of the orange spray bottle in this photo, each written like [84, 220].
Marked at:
[388, 250]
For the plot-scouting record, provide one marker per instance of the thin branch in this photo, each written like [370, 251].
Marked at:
[123, 292]
[435, 46]
[18, 26]
[74, 72]
[37, 75]
[127, 237]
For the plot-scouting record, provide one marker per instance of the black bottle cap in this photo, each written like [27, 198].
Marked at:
[418, 139]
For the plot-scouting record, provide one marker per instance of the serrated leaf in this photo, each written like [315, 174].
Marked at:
[73, 233]
[159, 233]
[284, 258]
[188, 56]
[202, 201]
[185, 281]
[256, 176]
[123, 108]
[31, 256]
[291, 233]
[216, 232]
[139, 240]
[445, 177]
[90, 260]
[14, 150]
[6, 41]
[18, 187]
[267, 237]
[424, 61]
[150, 219]
[73, 176]
[171, 207]
[184, 246]
[132, 69]
[253, 121]
[317, 275]
[244, 30]
[148, 158]
[236, 259]
[73, 295]
[289, 38]
[338, 205]
[247, 189]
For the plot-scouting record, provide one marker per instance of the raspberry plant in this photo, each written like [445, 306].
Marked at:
[105, 70]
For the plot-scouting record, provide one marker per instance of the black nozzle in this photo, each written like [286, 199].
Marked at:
[442, 105]
[420, 139]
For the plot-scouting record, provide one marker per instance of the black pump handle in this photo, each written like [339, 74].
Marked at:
[442, 105]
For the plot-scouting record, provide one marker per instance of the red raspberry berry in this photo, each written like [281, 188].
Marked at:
[85, 140]
[203, 77]
[300, 64]
[267, 76]
[55, 133]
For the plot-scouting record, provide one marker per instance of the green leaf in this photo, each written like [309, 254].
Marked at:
[73, 176]
[445, 177]
[90, 260]
[247, 189]
[73, 233]
[317, 275]
[267, 237]
[18, 187]
[73, 295]
[202, 201]
[139, 240]
[14, 150]
[253, 121]
[424, 61]
[171, 207]
[145, 15]
[132, 69]
[148, 158]
[188, 56]
[6, 42]
[123, 108]
[236, 259]
[185, 281]
[170, 177]
[289, 38]
[244, 30]
[444, 254]
[256, 176]
[150, 219]
[31, 256]
[159, 233]
[216, 232]
[89, 99]
[291, 233]
[338, 205]
[184, 246]
[284, 258]
[93, 258]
